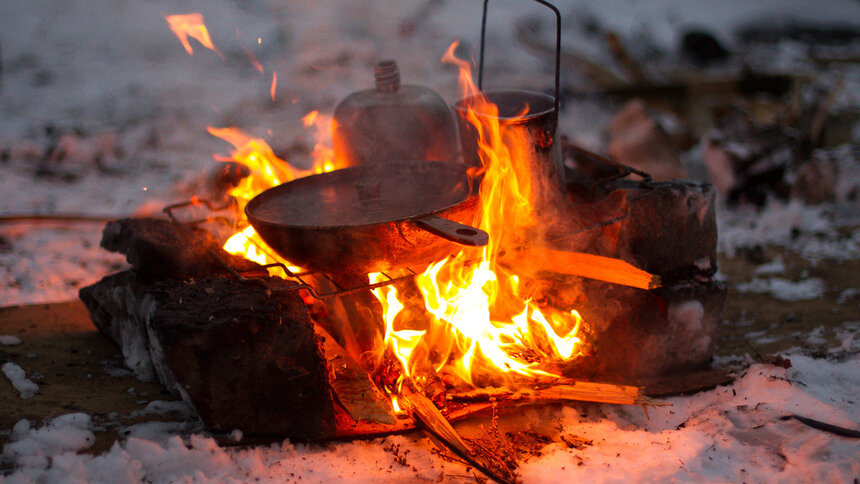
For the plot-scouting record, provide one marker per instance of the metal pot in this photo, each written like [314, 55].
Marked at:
[528, 122]
[369, 218]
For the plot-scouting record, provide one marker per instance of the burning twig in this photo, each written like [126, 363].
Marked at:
[562, 390]
[591, 266]
[426, 414]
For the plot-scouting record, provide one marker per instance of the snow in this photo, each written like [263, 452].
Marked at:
[109, 83]
[851, 292]
[9, 340]
[785, 290]
[729, 434]
[688, 316]
[18, 377]
[772, 268]
[807, 230]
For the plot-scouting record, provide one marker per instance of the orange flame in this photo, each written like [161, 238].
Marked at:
[402, 342]
[191, 25]
[274, 86]
[322, 154]
[251, 57]
[267, 170]
[485, 320]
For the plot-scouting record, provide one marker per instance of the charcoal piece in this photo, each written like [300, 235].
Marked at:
[242, 356]
[164, 249]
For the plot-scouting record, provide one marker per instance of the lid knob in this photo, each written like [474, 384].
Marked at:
[387, 76]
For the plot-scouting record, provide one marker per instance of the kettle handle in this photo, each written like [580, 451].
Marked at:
[557, 47]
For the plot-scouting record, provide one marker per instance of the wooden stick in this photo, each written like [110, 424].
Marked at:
[562, 390]
[591, 266]
[352, 385]
[425, 413]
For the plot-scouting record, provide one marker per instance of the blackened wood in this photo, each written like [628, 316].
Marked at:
[826, 427]
[119, 309]
[244, 357]
[638, 335]
[164, 249]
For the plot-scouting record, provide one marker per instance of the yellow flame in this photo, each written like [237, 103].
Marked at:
[190, 25]
[267, 170]
[477, 306]
[404, 341]
[322, 154]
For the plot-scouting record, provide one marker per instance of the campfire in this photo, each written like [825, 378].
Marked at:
[367, 296]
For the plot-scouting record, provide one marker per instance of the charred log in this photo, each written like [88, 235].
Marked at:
[667, 229]
[164, 249]
[243, 356]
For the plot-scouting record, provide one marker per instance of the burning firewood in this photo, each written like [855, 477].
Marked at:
[559, 390]
[352, 386]
[591, 266]
[425, 413]
[164, 249]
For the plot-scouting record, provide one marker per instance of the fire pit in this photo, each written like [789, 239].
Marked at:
[356, 320]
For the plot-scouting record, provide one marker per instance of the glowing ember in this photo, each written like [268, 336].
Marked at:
[274, 86]
[190, 25]
[251, 57]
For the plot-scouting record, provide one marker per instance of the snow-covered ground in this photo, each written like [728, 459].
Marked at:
[741, 433]
[125, 108]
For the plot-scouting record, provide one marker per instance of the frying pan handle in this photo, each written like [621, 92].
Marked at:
[453, 231]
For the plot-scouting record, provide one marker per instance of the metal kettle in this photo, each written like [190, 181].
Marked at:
[393, 122]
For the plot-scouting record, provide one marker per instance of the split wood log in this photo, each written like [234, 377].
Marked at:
[548, 391]
[182, 317]
[595, 267]
[425, 413]
[242, 356]
[352, 386]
